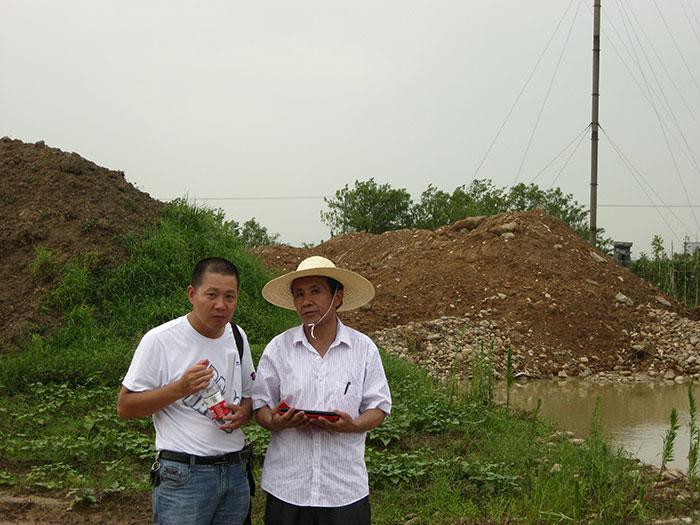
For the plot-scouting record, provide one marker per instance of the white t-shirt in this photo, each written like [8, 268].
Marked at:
[164, 354]
[313, 467]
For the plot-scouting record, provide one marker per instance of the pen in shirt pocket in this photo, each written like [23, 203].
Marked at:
[346, 388]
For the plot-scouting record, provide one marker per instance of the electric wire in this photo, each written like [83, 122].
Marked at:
[649, 206]
[690, 20]
[653, 47]
[662, 128]
[566, 163]
[581, 135]
[522, 90]
[673, 39]
[283, 198]
[645, 92]
[546, 96]
[636, 175]
[690, 155]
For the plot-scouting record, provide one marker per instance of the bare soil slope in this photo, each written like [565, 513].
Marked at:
[65, 203]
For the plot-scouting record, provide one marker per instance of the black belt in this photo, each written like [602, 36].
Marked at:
[224, 459]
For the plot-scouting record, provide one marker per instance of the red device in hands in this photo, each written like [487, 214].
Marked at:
[330, 416]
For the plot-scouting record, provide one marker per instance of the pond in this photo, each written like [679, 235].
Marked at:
[634, 415]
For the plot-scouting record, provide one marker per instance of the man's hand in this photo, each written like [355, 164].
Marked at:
[195, 378]
[240, 414]
[272, 420]
[141, 404]
[346, 424]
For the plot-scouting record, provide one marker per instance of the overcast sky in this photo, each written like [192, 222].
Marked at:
[270, 106]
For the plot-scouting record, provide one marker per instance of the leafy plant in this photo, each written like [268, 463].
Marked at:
[110, 308]
[482, 380]
[510, 380]
[83, 496]
[491, 477]
[669, 439]
[128, 202]
[677, 274]
[694, 435]
[45, 267]
[89, 224]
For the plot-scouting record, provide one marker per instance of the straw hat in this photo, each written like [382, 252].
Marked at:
[357, 290]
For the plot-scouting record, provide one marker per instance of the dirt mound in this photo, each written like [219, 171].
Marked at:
[527, 273]
[524, 276]
[65, 203]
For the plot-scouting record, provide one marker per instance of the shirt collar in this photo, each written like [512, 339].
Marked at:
[342, 335]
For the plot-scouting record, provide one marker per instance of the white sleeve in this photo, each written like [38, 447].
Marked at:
[145, 371]
[376, 393]
[267, 383]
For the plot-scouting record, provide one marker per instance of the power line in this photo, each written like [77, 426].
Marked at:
[649, 205]
[522, 90]
[546, 96]
[291, 197]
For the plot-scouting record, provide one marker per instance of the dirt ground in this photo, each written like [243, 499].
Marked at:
[527, 272]
[53, 509]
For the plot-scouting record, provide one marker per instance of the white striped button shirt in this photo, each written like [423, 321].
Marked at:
[313, 467]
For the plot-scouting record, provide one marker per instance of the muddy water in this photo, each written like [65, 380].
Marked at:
[634, 415]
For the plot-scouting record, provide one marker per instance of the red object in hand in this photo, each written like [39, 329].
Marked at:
[330, 416]
[214, 399]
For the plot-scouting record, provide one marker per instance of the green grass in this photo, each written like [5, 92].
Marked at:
[447, 454]
[435, 459]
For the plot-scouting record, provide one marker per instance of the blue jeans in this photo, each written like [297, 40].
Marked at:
[191, 494]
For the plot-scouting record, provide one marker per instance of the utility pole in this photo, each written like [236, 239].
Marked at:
[594, 123]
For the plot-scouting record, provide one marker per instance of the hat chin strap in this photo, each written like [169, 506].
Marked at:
[313, 325]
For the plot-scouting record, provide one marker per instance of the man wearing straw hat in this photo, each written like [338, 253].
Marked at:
[314, 470]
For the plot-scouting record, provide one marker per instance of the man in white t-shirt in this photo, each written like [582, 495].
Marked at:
[314, 470]
[200, 473]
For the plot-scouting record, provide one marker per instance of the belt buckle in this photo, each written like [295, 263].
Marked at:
[222, 460]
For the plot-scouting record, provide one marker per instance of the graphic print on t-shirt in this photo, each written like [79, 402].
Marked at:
[196, 401]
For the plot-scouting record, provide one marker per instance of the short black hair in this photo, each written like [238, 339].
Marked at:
[334, 285]
[214, 265]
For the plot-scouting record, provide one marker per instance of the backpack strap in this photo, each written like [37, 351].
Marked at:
[239, 339]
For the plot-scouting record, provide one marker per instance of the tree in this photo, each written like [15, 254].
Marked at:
[377, 209]
[368, 207]
[434, 209]
[553, 202]
[253, 234]
[438, 208]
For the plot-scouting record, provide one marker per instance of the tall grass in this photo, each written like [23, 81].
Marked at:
[667, 453]
[677, 274]
[694, 435]
[105, 310]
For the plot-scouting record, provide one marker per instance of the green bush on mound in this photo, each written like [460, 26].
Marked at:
[106, 310]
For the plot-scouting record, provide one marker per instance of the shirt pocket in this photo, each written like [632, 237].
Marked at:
[347, 397]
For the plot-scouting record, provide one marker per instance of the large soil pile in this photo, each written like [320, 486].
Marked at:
[524, 280]
[65, 203]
